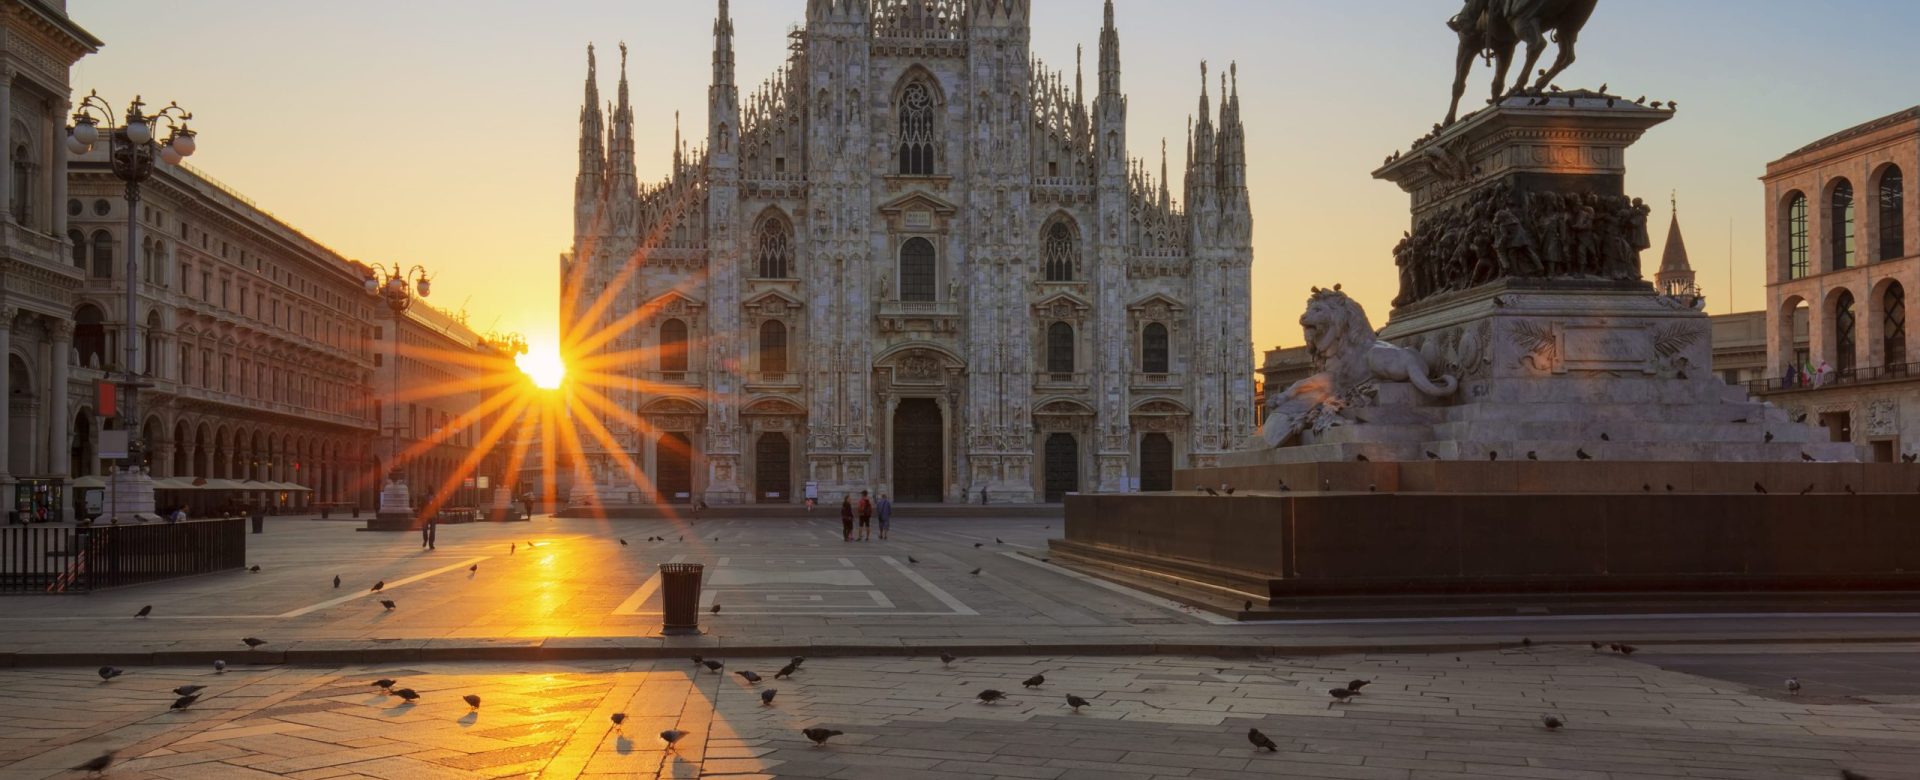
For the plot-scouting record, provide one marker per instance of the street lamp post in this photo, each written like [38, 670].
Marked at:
[397, 289]
[132, 150]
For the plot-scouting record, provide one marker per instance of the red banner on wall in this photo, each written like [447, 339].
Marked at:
[104, 398]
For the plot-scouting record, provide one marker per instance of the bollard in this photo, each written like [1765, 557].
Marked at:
[680, 598]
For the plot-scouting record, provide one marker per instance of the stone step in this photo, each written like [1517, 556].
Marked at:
[1620, 431]
[1700, 413]
[1400, 450]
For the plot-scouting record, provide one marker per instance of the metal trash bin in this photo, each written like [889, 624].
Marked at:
[680, 597]
[259, 522]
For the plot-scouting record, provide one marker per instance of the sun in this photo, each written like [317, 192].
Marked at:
[542, 365]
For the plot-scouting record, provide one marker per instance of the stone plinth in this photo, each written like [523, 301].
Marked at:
[396, 503]
[129, 495]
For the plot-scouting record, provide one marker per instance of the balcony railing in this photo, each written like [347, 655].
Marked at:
[1853, 376]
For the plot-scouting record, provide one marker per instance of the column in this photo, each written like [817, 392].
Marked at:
[57, 204]
[7, 314]
[61, 333]
[6, 165]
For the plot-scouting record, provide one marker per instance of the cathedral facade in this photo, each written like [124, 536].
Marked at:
[912, 261]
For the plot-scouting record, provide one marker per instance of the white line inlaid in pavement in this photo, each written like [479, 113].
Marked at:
[1123, 590]
[389, 586]
[958, 607]
[633, 603]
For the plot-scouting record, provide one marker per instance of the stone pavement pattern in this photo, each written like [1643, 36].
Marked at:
[1474, 715]
[782, 583]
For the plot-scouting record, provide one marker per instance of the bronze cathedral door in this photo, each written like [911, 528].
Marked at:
[919, 447]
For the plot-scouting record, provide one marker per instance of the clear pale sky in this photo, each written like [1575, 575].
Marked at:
[443, 132]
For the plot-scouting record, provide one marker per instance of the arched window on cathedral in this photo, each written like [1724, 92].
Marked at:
[673, 346]
[918, 273]
[1062, 253]
[775, 248]
[773, 347]
[1060, 348]
[102, 254]
[916, 130]
[1153, 348]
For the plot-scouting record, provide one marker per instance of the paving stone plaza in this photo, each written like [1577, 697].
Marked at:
[1172, 690]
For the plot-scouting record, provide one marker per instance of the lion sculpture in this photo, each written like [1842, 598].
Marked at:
[1347, 360]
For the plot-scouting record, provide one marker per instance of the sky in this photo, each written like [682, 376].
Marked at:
[444, 132]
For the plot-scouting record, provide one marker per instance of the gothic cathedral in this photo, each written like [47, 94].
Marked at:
[911, 261]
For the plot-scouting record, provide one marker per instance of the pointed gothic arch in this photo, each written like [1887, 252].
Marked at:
[1060, 249]
[918, 104]
[773, 246]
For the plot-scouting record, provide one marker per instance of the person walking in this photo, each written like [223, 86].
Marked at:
[846, 518]
[885, 511]
[426, 534]
[866, 517]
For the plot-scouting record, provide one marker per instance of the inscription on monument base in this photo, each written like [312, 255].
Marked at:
[1606, 348]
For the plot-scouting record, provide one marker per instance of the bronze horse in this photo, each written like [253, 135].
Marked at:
[1494, 28]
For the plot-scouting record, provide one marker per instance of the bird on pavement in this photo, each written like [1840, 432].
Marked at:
[618, 718]
[911, 559]
[1228, 490]
[1552, 723]
[820, 735]
[623, 542]
[1431, 455]
[1362, 457]
[1533, 455]
[219, 666]
[1849, 489]
[1769, 436]
[715, 610]
[1526, 642]
[407, 694]
[385, 684]
[388, 603]
[1806, 457]
[377, 586]
[947, 658]
[1759, 488]
[1793, 686]
[1034, 681]
[1594, 645]
[185, 701]
[336, 582]
[1260, 740]
[976, 545]
[975, 572]
[750, 677]
[990, 696]
[1493, 454]
[786, 671]
[254, 568]
[797, 661]
[1605, 437]
[699, 660]
[714, 666]
[671, 736]
[1646, 487]
[144, 611]
[188, 690]
[1340, 694]
[1248, 607]
[1582, 454]
[1076, 702]
[1356, 685]
[996, 540]
[766, 696]
[1627, 649]
[110, 672]
[1210, 492]
[97, 764]
[471, 700]
[474, 569]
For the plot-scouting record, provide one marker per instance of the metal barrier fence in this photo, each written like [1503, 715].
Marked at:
[76, 560]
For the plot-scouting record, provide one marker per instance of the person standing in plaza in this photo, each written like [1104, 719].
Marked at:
[885, 511]
[426, 534]
[846, 518]
[866, 517]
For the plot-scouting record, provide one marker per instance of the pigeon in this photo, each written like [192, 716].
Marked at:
[1627, 649]
[990, 696]
[185, 701]
[219, 666]
[947, 658]
[1076, 702]
[1849, 489]
[766, 696]
[976, 545]
[671, 736]
[1806, 457]
[1769, 436]
[1431, 455]
[388, 603]
[911, 559]
[1594, 645]
[336, 582]
[1340, 694]
[618, 719]
[1793, 686]
[1759, 488]
[714, 666]
[797, 661]
[996, 540]
[1646, 487]
[1669, 487]
[1641, 99]
[1605, 437]
[1533, 455]
[1260, 740]
[820, 735]
[1362, 457]
[97, 764]
[1210, 492]
[750, 677]
[1248, 607]
[1526, 642]
[715, 610]
[385, 684]
[471, 700]
[1229, 490]
[1614, 647]
[1673, 105]
[377, 586]
[144, 611]
[623, 542]
[474, 569]
[1802, 417]
[1493, 454]
[699, 660]
[1552, 723]
[407, 694]
[254, 568]
[1356, 685]
[110, 672]
[786, 671]
[188, 690]
[975, 572]
[1034, 681]
[1582, 454]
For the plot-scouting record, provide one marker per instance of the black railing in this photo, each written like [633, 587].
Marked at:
[1851, 376]
[77, 560]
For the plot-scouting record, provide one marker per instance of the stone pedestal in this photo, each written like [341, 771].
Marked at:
[396, 503]
[129, 496]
